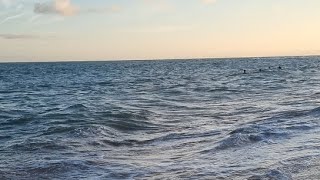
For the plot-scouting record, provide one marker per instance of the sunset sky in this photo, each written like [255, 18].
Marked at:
[54, 30]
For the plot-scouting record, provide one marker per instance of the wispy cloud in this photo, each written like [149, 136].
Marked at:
[13, 10]
[11, 18]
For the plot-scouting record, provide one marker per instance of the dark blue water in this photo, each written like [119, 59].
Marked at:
[192, 119]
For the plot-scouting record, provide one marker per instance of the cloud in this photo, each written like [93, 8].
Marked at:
[66, 8]
[18, 36]
[11, 18]
[61, 7]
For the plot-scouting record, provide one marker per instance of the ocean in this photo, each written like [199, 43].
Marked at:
[173, 119]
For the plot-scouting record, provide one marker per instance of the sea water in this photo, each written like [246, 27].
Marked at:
[174, 119]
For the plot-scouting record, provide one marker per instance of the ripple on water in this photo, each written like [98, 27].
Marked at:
[160, 119]
[33, 145]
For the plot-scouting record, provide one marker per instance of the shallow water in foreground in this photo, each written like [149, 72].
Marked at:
[198, 119]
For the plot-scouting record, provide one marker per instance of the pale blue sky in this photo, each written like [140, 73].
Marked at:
[53, 30]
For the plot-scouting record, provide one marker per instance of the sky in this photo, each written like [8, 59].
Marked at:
[67, 30]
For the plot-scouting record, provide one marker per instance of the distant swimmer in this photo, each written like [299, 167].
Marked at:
[260, 70]
[244, 71]
[279, 67]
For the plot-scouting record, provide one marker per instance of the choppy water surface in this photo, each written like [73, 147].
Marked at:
[199, 119]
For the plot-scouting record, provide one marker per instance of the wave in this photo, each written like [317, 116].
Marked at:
[105, 124]
[58, 130]
[76, 107]
[298, 113]
[115, 143]
[92, 131]
[18, 121]
[238, 140]
[127, 121]
[249, 135]
[55, 170]
[130, 125]
[282, 125]
[37, 145]
[5, 137]
[272, 174]
[303, 167]
[104, 136]
[314, 112]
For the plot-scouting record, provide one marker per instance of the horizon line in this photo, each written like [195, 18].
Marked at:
[157, 59]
